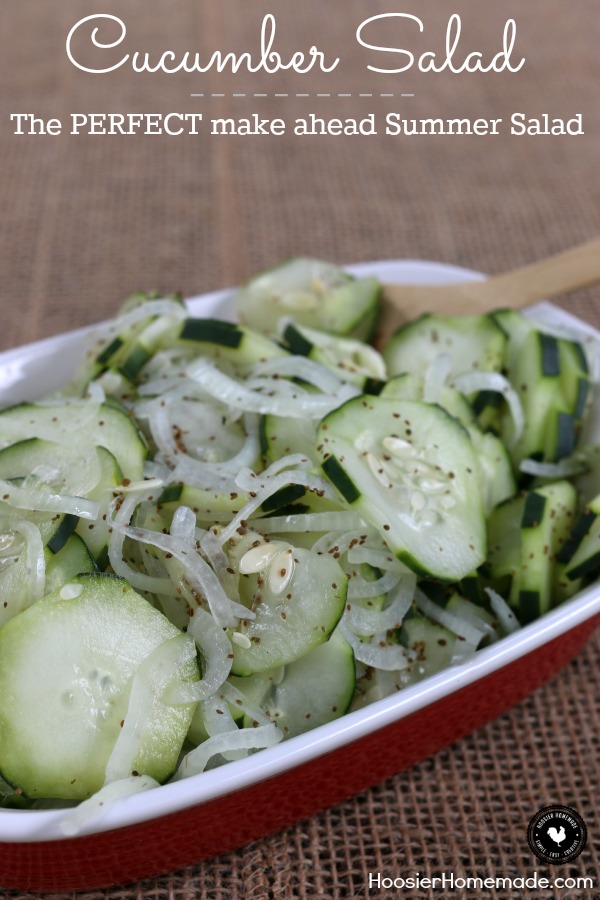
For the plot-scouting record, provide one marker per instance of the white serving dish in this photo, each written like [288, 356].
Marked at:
[36, 854]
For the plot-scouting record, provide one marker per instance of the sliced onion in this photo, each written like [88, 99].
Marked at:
[156, 387]
[218, 475]
[169, 388]
[435, 377]
[26, 498]
[175, 606]
[268, 486]
[205, 476]
[217, 719]
[456, 624]
[152, 584]
[142, 487]
[290, 461]
[297, 367]
[156, 469]
[469, 382]
[96, 393]
[244, 738]
[148, 685]
[88, 811]
[360, 588]
[36, 561]
[398, 603]
[470, 617]
[169, 361]
[215, 555]
[198, 572]
[506, 617]
[238, 698]
[120, 513]
[216, 716]
[565, 468]
[183, 525]
[146, 310]
[340, 542]
[390, 657]
[300, 404]
[380, 559]
[215, 648]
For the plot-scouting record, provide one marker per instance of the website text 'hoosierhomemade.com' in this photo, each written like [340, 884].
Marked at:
[476, 884]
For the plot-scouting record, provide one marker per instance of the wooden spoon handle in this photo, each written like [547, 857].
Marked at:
[567, 271]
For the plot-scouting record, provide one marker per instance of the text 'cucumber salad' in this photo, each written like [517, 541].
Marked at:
[219, 536]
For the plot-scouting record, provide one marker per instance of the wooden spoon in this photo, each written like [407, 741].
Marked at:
[560, 274]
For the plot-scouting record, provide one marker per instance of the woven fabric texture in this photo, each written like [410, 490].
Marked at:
[87, 219]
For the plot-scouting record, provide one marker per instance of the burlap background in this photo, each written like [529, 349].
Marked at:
[86, 220]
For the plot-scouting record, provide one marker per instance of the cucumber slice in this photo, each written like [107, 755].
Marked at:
[516, 327]
[351, 360]
[315, 689]
[412, 387]
[72, 560]
[473, 343]
[297, 597]
[15, 593]
[432, 645]
[66, 670]
[60, 556]
[159, 332]
[550, 377]
[473, 612]
[209, 506]
[548, 516]
[255, 688]
[69, 423]
[281, 436]
[63, 469]
[504, 544]
[588, 483]
[363, 572]
[494, 464]
[316, 294]
[496, 475]
[221, 340]
[409, 468]
[116, 386]
[96, 534]
[56, 530]
[91, 473]
[580, 552]
[127, 348]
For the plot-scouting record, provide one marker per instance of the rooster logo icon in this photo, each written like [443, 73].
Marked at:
[557, 835]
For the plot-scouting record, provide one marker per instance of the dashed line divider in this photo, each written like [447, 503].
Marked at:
[283, 95]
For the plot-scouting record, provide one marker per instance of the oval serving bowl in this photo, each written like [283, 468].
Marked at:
[219, 810]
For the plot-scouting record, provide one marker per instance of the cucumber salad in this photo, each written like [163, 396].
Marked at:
[220, 535]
